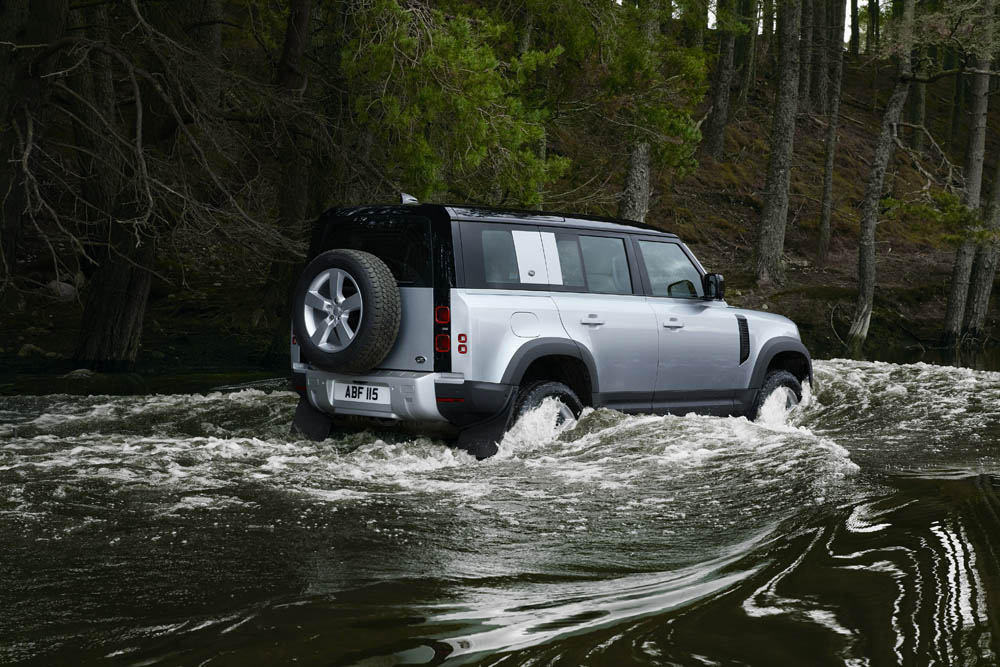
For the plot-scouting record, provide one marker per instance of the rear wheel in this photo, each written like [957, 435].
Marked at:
[531, 396]
[778, 381]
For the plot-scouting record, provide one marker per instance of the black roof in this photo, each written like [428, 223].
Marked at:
[504, 215]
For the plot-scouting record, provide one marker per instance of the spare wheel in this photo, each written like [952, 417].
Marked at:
[346, 311]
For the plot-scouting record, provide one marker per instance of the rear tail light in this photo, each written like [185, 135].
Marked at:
[442, 343]
[442, 315]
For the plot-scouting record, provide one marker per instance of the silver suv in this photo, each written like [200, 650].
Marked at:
[468, 317]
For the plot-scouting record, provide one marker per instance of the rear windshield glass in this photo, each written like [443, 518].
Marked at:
[402, 242]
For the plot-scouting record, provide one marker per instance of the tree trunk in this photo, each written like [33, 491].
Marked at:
[873, 192]
[750, 54]
[957, 104]
[984, 268]
[524, 40]
[767, 28]
[855, 30]
[115, 305]
[975, 153]
[294, 160]
[875, 18]
[207, 38]
[695, 20]
[634, 203]
[806, 54]
[111, 328]
[918, 104]
[833, 123]
[715, 131]
[870, 40]
[821, 47]
[771, 237]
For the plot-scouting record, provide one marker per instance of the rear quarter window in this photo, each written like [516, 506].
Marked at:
[499, 256]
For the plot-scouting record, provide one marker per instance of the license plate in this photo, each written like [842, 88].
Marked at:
[362, 393]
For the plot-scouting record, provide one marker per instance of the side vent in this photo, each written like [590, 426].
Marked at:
[744, 338]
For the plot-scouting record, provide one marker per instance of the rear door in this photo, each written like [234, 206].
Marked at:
[595, 284]
[699, 340]
[403, 242]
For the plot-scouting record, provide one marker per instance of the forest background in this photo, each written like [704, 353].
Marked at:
[163, 160]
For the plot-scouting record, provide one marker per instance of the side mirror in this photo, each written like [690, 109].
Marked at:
[715, 286]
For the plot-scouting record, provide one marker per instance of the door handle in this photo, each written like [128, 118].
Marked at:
[592, 319]
[673, 323]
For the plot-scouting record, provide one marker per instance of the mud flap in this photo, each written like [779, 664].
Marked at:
[310, 422]
[481, 439]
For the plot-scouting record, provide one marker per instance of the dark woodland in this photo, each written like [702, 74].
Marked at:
[163, 160]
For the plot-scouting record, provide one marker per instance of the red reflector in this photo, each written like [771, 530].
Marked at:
[451, 400]
[462, 349]
[294, 342]
[462, 338]
[300, 388]
[442, 343]
[442, 315]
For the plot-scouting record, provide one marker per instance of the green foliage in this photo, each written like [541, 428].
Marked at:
[943, 219]
[611, 84]
[449, 113]
[658, 89]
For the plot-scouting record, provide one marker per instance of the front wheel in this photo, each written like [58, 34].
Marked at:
[781, 382]
[531, 396]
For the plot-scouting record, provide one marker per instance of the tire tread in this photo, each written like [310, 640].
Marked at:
[385, 310]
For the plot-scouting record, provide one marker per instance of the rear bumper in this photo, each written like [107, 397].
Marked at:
[421, 397]
[411, 395]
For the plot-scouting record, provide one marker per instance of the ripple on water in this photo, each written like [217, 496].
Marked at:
[581, 529]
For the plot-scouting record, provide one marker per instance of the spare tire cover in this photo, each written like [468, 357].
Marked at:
[346, 311]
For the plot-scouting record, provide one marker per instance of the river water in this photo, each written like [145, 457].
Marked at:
[862, 529]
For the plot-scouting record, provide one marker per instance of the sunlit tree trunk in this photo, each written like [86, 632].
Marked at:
[873, 192]
[771, 235]
[833, 124]
[974, 156]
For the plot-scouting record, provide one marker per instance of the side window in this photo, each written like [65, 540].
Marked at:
[670, 271]
[605, 265]
[562, 257]
[500, 256]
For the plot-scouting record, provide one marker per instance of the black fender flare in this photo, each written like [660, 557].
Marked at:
[547, 347]
[770, 350]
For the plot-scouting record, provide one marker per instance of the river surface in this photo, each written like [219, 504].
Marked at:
[862, 529]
